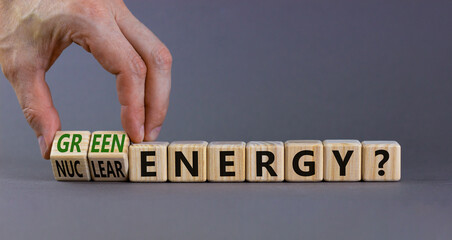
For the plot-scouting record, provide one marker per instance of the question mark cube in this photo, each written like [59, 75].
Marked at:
[69, 156]
[381, 161]
[342, 160]
[108, 156]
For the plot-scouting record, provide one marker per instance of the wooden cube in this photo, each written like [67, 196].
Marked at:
[187, 161]
[264, 161]
[303, 160]
[69, 156]
[108, 156]
[381, 161]
[226, 161]
[342, 160]
[148, 162]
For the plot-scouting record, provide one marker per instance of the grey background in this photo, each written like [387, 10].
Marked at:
[257, 70]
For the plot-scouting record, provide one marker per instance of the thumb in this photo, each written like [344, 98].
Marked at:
[36, 101]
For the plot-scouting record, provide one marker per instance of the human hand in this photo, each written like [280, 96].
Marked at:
[33, 33]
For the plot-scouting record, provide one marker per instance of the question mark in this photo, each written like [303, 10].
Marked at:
[383, 161]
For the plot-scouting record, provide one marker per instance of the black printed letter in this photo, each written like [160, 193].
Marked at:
[181, 158]
[310, 165]
[145, 164]
[342, 163]
[224, 163]
[260, 164]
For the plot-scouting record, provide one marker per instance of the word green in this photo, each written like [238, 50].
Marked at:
[106, 142]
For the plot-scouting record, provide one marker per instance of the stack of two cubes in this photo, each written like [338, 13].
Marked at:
[82, 156]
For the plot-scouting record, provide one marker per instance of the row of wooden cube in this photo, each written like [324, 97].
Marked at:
[107, 156]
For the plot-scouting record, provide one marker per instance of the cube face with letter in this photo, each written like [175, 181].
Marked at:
[381, 161]
[69, 156]
[342, 160]
[148, 162]
[108, 156]
[226, 161]
[187, 161]
[303, 160]
[264, 161]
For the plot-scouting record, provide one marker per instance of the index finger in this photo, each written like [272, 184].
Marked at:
[114, 52]
[158, 61]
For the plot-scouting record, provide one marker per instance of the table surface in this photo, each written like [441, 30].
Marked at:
[34, 206]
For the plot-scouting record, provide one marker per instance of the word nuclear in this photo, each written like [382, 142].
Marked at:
[109, 156]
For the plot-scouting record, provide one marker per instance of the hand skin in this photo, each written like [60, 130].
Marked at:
[33, 33]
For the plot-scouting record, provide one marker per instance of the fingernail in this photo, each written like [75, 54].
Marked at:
[142, 132]
[42, 145]
[154, 133]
